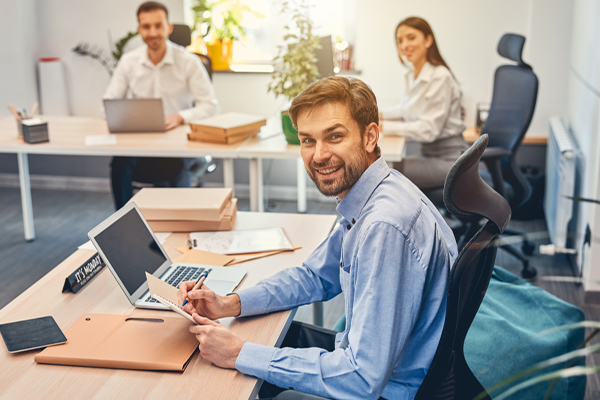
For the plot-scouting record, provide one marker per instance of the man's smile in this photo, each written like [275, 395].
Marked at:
[328, 170]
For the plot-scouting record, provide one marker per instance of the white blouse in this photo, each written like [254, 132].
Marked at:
[430, 107]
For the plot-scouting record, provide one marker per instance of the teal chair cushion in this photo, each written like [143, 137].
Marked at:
[512, 312]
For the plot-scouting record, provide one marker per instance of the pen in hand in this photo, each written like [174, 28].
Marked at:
[198, 284]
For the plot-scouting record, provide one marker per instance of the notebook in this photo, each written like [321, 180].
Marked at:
[129, 249]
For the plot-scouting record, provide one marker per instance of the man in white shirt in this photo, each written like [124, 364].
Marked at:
[160, 70]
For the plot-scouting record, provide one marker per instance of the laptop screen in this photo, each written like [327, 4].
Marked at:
[131, 250]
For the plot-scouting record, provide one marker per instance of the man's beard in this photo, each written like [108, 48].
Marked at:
[352, 172]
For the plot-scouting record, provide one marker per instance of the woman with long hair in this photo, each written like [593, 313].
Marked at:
[430, 111]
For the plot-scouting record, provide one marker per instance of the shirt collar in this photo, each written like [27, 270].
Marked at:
[167, 59]
[425, 74]
[352, 204]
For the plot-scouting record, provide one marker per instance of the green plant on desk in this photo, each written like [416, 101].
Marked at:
[295, 63]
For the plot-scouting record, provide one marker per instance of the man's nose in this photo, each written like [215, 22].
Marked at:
[322, 153]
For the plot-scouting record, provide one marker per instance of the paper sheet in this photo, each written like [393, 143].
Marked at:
[100, 140]
[241, 242]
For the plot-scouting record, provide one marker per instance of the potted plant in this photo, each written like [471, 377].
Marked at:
[295, 68]
[222, 20]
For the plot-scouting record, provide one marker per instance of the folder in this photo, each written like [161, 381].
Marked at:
[125, 342]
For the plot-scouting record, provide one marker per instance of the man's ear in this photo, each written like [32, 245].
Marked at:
[170, 29]
[139, 30]
[371, 137]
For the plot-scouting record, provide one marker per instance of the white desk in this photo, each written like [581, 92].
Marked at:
[67, 137]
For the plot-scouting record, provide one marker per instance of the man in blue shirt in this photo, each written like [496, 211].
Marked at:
[390, 255]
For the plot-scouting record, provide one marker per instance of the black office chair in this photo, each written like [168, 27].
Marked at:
[513, 103]
[182, 35]
[467, 196]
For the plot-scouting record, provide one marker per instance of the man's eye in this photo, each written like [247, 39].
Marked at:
[336, 136]
[308, 140]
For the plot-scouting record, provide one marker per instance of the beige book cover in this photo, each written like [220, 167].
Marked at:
[228, 124]
[125, 342]
[211, 138]
[225, 224]
[183, 204]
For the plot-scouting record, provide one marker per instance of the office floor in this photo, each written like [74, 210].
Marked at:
[63, 218]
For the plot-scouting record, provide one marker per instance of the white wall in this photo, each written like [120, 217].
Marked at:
[65, 23]
[19, 32]
[467, 32]
[584, 121]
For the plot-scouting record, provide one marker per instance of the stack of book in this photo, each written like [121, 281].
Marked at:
[187, 209]
[226, 128]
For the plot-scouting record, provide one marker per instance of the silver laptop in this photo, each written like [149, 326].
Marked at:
[134, 115]
[129, 248]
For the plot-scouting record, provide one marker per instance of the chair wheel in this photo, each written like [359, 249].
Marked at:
[528, 248]
[528, 273]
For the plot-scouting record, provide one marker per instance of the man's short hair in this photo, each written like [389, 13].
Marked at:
[354, 93]
[151, 6]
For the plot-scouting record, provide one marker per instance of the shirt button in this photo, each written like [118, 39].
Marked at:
[340, 264]
[353, 221]
[349, 226]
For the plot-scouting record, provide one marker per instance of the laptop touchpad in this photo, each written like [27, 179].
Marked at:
[220, 287]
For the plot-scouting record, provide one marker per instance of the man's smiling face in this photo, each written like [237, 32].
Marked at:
[332, 147]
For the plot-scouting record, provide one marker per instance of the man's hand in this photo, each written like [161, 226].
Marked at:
[173, 121]
[217, 344]
[207, 303]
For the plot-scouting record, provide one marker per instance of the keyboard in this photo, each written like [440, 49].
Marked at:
[181, 274]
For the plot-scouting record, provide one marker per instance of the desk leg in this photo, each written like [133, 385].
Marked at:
[318, 313]
[26, 196]
[301, 179]
[256, 185]
[228, 179]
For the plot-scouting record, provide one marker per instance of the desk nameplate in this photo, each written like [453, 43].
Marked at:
[82, 275]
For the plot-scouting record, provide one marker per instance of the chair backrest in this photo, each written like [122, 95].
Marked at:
[207, 62]
[467, 196]
[513, 103]
[181, 35]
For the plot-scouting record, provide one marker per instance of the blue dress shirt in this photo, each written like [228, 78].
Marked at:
[391, 256]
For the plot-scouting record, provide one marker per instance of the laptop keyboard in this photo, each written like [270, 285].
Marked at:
[181, 274]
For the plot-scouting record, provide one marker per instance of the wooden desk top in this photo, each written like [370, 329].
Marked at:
[67, 137]
[470, 134]
[21, 377]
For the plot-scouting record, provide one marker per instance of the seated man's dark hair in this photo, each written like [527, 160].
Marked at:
[151, 6]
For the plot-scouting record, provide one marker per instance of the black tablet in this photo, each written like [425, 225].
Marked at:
[31, 334]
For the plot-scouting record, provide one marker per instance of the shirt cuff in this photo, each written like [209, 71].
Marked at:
[253, 300]
[187, 115]
[254, 359]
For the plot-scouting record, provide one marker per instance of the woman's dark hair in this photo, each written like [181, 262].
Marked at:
[433, 53]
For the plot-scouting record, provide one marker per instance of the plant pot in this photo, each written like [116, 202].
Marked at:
[291, 134]
[220, 53]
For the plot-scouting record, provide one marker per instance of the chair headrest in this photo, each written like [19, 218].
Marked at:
[181, 35]
[511, 47]
[467, 196]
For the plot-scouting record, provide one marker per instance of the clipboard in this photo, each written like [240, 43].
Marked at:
[125, 342]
